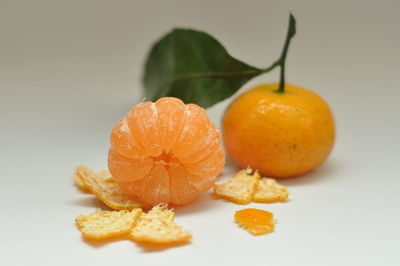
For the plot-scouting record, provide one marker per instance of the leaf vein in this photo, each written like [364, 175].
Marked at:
[209, 75]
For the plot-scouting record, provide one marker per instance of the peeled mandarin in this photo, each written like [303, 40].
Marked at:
[165, 152]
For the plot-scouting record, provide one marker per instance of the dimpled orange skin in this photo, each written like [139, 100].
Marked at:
[279, 134]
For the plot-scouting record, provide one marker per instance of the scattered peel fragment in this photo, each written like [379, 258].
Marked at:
[268, 191]
[107, 224]
[240, 189]
[158, 227]
[80, 171]
[106, 189]
[106, 176]
[255, 221]
[78, 179]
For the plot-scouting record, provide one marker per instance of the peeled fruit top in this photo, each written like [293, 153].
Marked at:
[165, 152]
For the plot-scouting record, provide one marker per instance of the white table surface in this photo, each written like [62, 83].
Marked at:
[69, 70]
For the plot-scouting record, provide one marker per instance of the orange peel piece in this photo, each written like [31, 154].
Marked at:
[255, 221]
[158, 227]
[240, 189]
[106, 189]
[106, 176]
[78, 179]
[80, 171]
[107, 224]
[268, 191]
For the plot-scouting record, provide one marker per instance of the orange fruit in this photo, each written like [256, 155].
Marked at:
[280, 134]
[165, 152]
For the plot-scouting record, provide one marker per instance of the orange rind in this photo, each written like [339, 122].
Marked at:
[158, 227]
[240, 189]
[81, 171]
[107, 189]
[245, 187]
[106, 176]
[268, 191]
[78, 179]
[255, 221]
[107, 224]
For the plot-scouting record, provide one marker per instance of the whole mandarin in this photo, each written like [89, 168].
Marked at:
[281, 134]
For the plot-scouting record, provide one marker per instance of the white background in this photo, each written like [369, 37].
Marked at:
[70, 69]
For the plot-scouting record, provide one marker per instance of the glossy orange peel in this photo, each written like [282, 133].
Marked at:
[280, 134]
[255, 221]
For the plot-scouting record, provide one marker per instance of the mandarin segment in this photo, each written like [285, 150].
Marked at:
[132, 187]
[255, 221]
[107, 224]
[178, 156]
[142, 121]
[122, 140]
[108, 192]
[152, 190]
[126, 169]
[199, 183]
[240, 189]
[181, 188]
[171, 118]
[209, 145]
[158, 227]
[268, 190]
[156, 187]
[194, 131]
[209, 166]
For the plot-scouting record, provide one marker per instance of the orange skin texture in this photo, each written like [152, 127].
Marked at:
[279, 134]
[257, 222]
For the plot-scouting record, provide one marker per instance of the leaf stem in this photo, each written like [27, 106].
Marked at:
[271, 67]
[281, 61]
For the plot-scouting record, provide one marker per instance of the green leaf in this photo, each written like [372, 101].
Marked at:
[195, 67]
